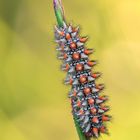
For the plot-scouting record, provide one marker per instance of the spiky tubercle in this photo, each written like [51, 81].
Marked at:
[87, 103]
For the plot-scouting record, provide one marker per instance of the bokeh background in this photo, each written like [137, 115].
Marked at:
[33, 99]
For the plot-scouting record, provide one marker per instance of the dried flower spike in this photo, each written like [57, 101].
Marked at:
[87, 104]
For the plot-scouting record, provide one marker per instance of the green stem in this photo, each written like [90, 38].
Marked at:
[59, 13]
[79, 131]
[59, 18]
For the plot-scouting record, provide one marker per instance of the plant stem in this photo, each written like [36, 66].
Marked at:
[59, 13]
[79, 131]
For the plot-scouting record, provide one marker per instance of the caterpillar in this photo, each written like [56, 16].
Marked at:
[87, 103]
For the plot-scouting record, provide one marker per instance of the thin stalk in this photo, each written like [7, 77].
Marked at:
[59, 13]
[79, 131]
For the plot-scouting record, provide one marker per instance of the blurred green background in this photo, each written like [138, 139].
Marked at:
[33, 100]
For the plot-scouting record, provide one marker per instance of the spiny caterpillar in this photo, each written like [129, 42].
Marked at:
[85, 99]
[87, 104]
